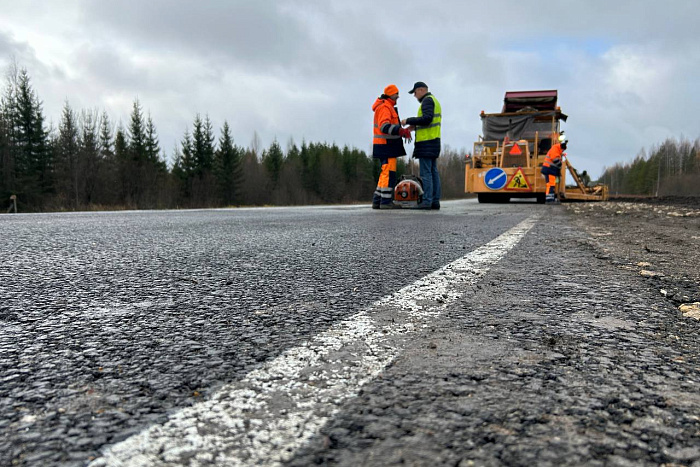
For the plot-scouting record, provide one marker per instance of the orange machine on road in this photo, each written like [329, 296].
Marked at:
[508, 157]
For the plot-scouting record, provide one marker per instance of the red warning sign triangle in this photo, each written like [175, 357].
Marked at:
[515, 150]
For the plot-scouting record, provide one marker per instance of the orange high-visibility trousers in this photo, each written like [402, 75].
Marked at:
[384, 194]
[550, 175]
[551, 184]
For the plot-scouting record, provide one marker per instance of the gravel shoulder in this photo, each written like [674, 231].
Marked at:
[658, 239]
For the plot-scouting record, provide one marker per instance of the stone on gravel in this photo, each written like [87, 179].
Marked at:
[690, 310]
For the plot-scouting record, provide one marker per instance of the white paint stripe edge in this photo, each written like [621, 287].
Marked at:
[264, 418]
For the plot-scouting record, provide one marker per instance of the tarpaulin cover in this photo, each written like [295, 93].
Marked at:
[539, 100]
[496, 127]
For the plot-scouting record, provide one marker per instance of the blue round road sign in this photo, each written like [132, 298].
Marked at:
[495, 178]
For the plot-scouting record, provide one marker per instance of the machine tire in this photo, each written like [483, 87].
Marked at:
[493, 198]
[484, 197]
[541, 197]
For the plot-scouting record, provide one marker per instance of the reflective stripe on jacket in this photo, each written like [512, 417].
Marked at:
[386, 140]
[553, 157]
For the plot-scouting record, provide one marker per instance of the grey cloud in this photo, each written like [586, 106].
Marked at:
[300, 41]
[112, 69]
[250, 33]
[246, 29]
[10, 47]
[22, 54]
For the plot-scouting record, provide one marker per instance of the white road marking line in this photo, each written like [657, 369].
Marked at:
[264, 418]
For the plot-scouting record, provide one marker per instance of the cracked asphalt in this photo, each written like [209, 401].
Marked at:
[558, 356]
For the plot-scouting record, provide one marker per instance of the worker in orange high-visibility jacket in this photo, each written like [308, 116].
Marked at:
[387, 145]
[551, 168]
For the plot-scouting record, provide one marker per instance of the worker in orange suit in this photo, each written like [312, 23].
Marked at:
[387, 145]
[551, 168]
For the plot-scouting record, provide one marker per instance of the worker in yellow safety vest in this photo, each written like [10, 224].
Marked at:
[427, 146]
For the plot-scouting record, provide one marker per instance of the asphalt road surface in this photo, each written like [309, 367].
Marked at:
[473, 335]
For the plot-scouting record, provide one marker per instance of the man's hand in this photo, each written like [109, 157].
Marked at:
[403, 122]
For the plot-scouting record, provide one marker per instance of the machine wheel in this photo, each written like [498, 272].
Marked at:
[541, 197]
[493, 198]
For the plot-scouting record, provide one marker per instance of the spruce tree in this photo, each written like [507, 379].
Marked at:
[28, 144]
[184, 167]
[108, 160]
[146, 163]
[272, 160]
[203, 145]
[228, 168]
[152, 147]
[293, 153]
[6, 162]
[68, 163]
[189, 163]
[137, 135]
[124, 166]
[106, 143]
[90, 160]
[8, 122]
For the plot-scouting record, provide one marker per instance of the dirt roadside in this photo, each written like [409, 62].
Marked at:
[658, 237]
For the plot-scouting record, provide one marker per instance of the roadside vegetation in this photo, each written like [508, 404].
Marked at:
[670, 169]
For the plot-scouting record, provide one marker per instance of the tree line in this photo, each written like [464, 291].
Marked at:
[671, 168]
[89, 163]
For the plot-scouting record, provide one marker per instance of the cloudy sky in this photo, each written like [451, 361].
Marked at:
[627, 71]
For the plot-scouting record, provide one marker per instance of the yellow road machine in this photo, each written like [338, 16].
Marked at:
[507, 158]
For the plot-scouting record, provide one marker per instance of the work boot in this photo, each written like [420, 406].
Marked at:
[375, 205]
[423, 206]
[435, 206]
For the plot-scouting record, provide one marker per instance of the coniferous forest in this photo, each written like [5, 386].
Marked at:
[670, 169]
[88, 163]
